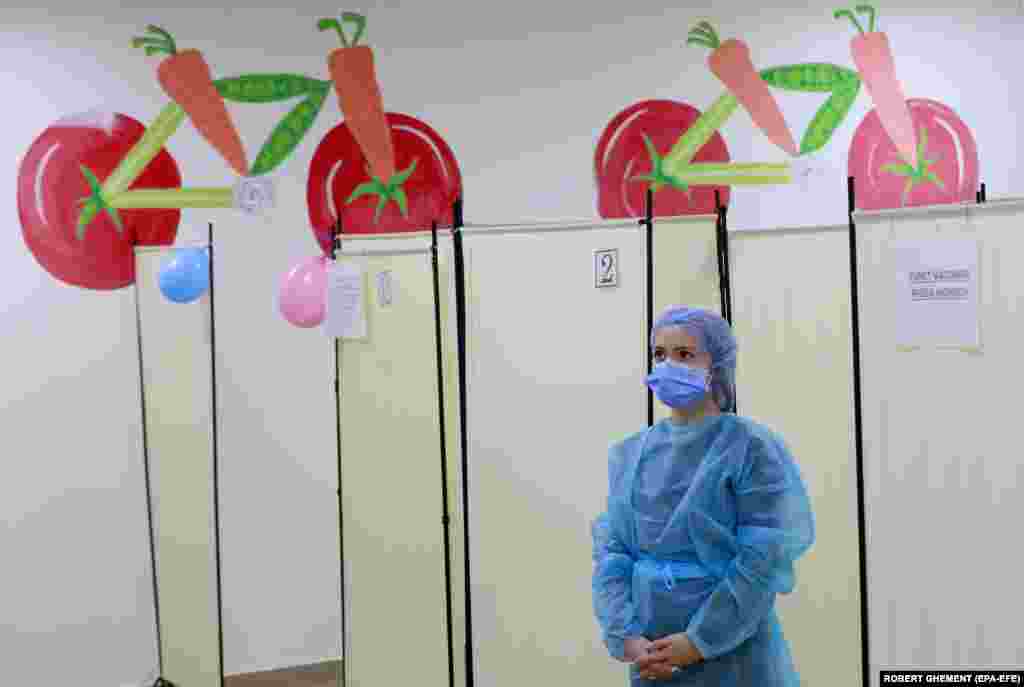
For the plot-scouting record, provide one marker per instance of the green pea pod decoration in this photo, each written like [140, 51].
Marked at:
[289, 132]
[813, 77]
[266, 88]
[830, 116]
[818, 77]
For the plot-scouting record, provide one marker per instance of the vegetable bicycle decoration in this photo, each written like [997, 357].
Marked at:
[903, 153]
[92, 186]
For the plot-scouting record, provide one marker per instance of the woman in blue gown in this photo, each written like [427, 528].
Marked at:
[707, 513]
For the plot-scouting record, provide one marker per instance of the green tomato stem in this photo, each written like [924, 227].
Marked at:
[143, 152]
[173, 198]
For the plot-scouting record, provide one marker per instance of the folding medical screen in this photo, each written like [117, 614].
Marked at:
[557, 358]
[392, 506]
[175, 348]
[791, 311]
[941, 336]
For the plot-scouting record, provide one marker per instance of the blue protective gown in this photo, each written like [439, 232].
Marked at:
[703, 525]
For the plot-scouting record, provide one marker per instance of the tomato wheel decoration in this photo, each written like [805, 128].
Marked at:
[947, 169]
[53, 186]
[338, 170]
[628, 155]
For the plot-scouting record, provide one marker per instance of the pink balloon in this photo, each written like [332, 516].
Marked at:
[303, 293]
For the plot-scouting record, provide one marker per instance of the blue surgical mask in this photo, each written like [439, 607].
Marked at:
[678, 385]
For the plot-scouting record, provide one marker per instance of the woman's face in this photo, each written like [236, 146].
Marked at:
[677, 344]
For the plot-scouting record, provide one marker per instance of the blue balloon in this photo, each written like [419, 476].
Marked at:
[186, 276]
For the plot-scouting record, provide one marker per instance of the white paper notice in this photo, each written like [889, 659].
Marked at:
[346, 312]
[937, 293]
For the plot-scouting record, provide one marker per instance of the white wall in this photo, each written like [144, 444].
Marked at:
[521, 92]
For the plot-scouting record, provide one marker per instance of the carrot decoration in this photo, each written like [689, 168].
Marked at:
[186, 79]
[359, 97]
[873, 57]
[731, 63]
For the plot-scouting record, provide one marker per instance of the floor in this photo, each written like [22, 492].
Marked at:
[322, 675]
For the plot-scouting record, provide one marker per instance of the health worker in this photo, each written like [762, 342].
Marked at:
[706, 515]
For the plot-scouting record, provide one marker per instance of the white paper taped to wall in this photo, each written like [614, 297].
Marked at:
[937, 300]
[346, 313]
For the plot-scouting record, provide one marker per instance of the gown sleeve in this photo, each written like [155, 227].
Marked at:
[613, 576]
[775, 526]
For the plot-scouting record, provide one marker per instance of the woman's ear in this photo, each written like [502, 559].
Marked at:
[718, 392]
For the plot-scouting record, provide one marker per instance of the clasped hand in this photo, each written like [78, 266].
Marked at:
[656, 659]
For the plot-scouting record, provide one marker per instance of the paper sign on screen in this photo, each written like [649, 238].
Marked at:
[937, 293]
[346, 311]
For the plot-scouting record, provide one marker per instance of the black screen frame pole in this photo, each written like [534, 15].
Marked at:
[726, 265]
[858, 421]
[728, 286]
[648, 224]
[445, 519]
[216, 459]
[335, 248]
[460, 318]
[720, 256]
[724, 269]
[722, 243]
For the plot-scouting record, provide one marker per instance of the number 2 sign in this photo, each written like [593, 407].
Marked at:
[606, 267]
